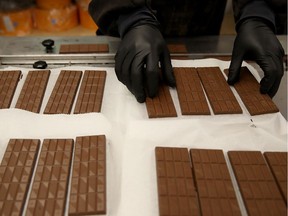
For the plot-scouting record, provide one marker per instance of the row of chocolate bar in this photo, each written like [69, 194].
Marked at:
[195, 84]
[63, 94]
[189, 82]
[200, 183]
[38, 176]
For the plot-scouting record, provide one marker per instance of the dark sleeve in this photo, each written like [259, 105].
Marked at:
[105, 13]
[268, 10]
[139, 16]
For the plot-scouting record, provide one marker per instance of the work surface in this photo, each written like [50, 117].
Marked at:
[132, 136]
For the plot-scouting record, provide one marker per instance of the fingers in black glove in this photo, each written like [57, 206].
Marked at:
[256, 41]
[125, 62]
[137, 61]
[273, 69]
[167, 69]
[152, 73]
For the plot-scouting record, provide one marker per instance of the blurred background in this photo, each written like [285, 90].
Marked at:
[62, 18]
[45, 17]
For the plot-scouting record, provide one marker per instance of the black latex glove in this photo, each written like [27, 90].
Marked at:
[256, 41]
[137, 61]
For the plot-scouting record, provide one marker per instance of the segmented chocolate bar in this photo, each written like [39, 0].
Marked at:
[248, 89]
[16, 170]
[221, 97]
[277, 162]
[177, 194]
[64, 92]
[91, 92]
[257, 185]
[177, 48]
[161, 105]
[190, 93]
[214, 185]
[88, 184]
[50, 184]
[8, 83]
[83, 48]
[33, 91]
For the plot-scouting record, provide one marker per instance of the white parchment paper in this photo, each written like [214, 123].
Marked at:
[132, 136]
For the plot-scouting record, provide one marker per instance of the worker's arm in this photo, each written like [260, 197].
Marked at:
[105, 13]
[142, 50]
[256, 40]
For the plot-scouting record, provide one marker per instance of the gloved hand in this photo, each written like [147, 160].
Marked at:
[137, 61]
[256, 41]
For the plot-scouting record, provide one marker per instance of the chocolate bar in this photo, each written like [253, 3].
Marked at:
[50, 185]
[16, 170]
[8, 83]
[88, 190]
[214, 185]
[91, 92]
[177, 193]
[221, 97]
[257, 185]
[161, 105]
[177, 48]
[83, 48]
[64, 92]
[33, 91]
[277, 162]
[248, 89]
[190, 93]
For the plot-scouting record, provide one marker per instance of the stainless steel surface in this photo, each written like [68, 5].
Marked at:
[26, 50]
[33, 45]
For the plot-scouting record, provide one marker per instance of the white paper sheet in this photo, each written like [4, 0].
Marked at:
[132, 136]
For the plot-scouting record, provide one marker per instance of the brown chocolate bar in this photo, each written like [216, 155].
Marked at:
[161, 105]
[15, 174]
[248, 89]
[33, 91]
[83, 48]
[257, 185]
[277, 162]
[8, 83]
[64, 92]
[88, 190]
[91, 92]
[177, 194]
[214, 185]
[50, 185]
[190, 93]
[220, 95]
[177, 48]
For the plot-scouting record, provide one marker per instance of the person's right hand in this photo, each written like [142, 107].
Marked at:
[137, 61]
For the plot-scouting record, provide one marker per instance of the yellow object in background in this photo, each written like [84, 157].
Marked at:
[83, 3]
[85, 19]
[52, 4]
[56, 19]
[16, 23]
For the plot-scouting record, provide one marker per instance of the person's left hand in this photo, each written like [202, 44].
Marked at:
[256, 41]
